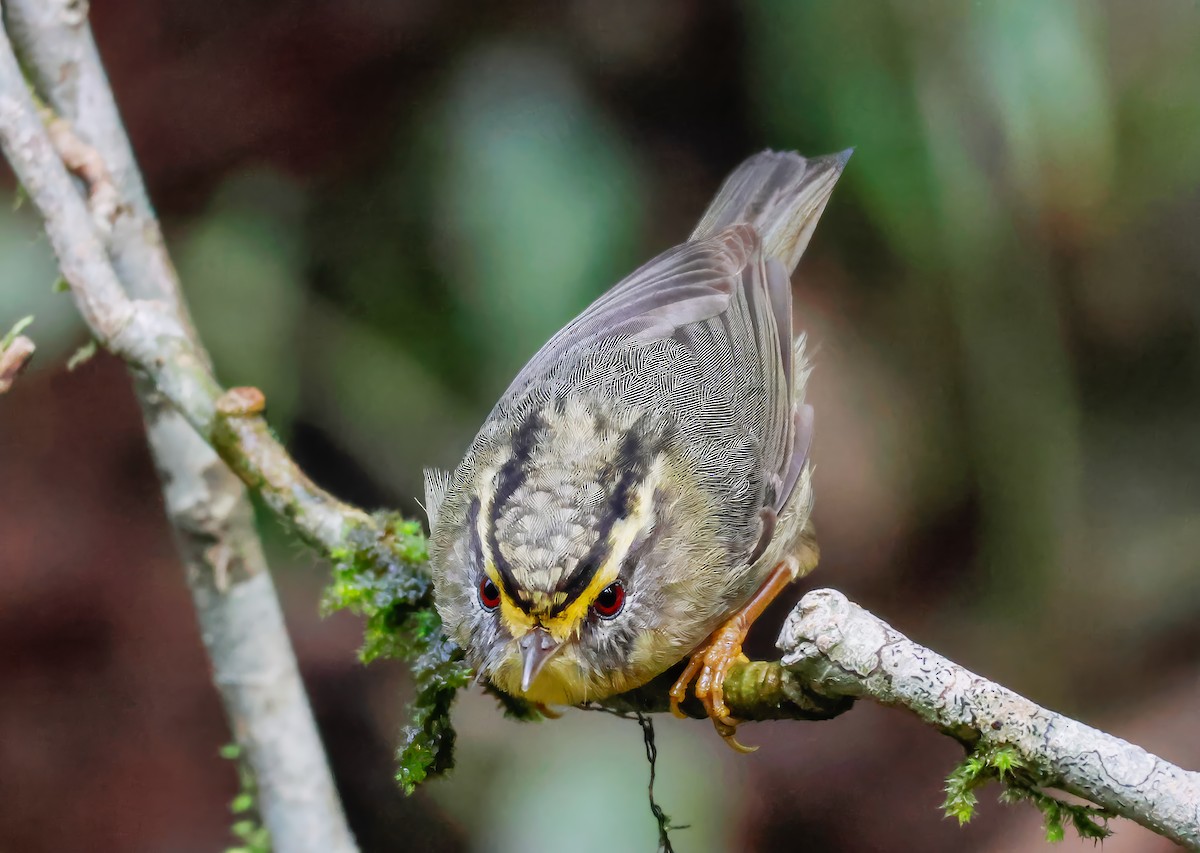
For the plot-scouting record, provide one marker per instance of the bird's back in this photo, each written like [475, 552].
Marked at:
[697, 342]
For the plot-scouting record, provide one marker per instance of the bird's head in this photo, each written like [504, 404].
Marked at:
[561, 555]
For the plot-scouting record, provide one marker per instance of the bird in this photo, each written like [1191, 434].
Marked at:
[643, 490]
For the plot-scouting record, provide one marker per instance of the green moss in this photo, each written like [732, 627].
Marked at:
[383, 575]
[81, 356]
[20, 326]
[1021, 781]
[247, 826]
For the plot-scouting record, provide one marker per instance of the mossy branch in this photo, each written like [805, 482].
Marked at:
[830, 642]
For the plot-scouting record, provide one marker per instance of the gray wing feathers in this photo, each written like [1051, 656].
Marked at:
[702, 335]
[687, 284]
[781, 194]
[802, 424]
[767, 351]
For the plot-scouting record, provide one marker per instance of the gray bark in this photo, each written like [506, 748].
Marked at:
[119, 250]
[832, 643]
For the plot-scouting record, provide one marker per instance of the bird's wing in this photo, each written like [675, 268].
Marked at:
[686, 284]
[700, 336]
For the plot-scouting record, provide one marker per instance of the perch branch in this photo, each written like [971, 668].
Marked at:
[241, 622]
[835, 646]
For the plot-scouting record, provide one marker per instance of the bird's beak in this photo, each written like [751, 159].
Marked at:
[537, 647]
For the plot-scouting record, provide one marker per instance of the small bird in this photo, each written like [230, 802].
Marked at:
[642, 490]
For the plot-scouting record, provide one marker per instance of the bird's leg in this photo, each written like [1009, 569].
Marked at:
[716, 655]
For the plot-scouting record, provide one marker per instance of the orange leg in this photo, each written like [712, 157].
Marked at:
[716, 655]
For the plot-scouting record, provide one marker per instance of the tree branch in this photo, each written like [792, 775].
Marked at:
[835, 645]
[14, 358]
[241, 622]
[15, 352]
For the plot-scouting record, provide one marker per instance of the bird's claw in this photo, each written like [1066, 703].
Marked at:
[709, 665]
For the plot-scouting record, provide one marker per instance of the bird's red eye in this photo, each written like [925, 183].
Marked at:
[610, 601]
[489, 594]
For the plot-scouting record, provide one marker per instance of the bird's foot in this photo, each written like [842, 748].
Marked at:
[708, 666]
[711, 662]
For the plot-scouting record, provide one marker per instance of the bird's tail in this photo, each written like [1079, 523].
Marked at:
[782, 195]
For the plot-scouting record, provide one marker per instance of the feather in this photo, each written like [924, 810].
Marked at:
[782, 195]
[684, 285]
[437, 482]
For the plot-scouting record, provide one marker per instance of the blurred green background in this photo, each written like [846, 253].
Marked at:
[381, 209]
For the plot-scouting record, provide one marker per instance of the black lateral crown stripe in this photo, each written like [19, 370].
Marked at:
[473, 527]
[628, 470]
[512, 474]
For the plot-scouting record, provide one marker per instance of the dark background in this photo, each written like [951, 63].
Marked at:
[380, 209]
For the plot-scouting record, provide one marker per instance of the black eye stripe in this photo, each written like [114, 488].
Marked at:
[516, 468]
[473, 532]
[502, 567]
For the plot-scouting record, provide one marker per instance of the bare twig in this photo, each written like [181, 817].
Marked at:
[241, 621]
[833, 643]
[13, 359]
[85, 161]
[56, 46]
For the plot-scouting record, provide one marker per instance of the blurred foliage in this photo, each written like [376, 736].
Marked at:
[29, 287]
[928, 180]
[11, 335]
[245, 251]
[538, 202]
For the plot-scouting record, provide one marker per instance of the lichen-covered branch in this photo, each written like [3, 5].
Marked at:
[115, 248]
[834, 644]
[14, 358]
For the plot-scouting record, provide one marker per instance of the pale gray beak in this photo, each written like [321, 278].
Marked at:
[537, 647]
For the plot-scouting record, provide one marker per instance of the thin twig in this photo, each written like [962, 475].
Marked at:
[114, 249]
[13, 359]
[85, 161]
